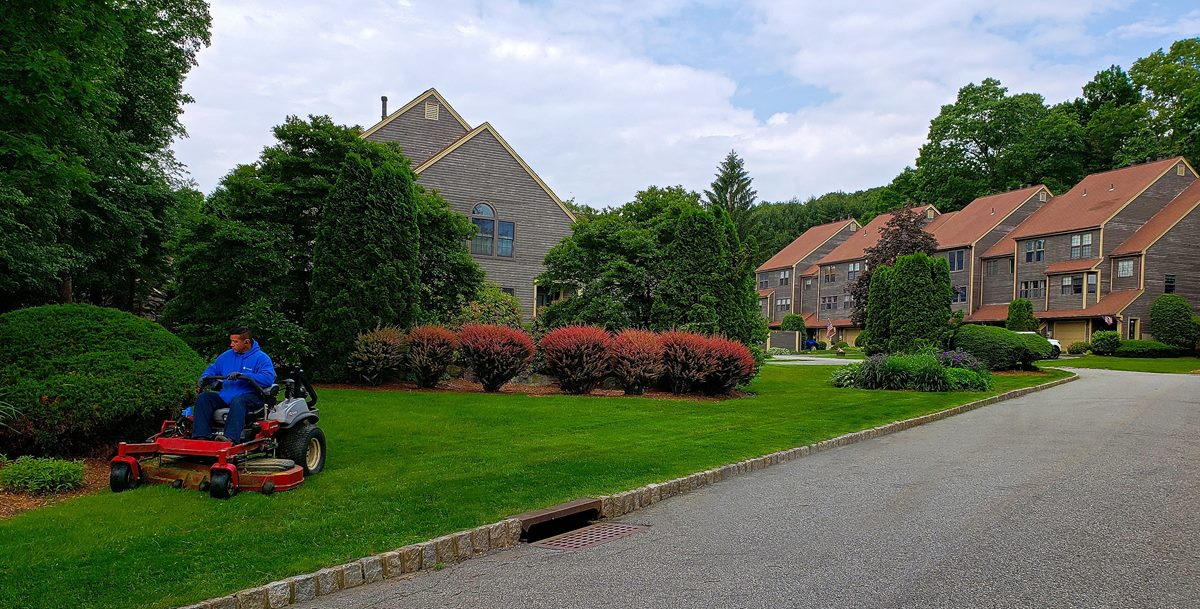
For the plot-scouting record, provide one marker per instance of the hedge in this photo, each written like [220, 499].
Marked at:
[637, 360]
[999, 348]
[495, 354]
[580, 356]
[1036, 348]
[792, 323]
[80, 378]
[1079, 348]
[1171, 321]
[1146, 348]
[1105, 342]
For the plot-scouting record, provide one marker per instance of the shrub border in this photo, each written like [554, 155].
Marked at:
[464, 545]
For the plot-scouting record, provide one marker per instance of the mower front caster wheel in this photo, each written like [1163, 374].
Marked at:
[120, 477]
[221, 485]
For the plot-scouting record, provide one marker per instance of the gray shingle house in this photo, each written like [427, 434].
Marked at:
[519, 218]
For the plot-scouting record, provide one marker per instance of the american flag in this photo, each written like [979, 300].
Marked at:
[1107, 320]
[829, 330]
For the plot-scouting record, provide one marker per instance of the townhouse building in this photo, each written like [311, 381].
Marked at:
[518, 216]
[1093, 258]
[781, 289]
[1097, 256]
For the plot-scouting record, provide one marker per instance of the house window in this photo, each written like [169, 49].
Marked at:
[1042, 196]
[1035, 250]
[829, 303]
[831, 274]
[852, 271]
[808, 282]
[1169, 285]
[1179, 170]
[783, 304]
[509, 291]
[763, 281]
[1033, 289]
[1081, 246]
[848, 302]
[785, 277]
[990, 268]
[929, 213]
[1125, 268]
[762, 305]
[1012, 265]
[1091, 281]
[957, 260]
[960, 293]
[1133, 324]
[483, 217]
[1066, 285]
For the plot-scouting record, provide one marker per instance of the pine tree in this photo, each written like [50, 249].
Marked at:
[731, 191]
[362, 277]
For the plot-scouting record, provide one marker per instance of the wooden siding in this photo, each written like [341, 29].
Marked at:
[419, 137]
[998, 288]
[1137, 212]
[839, 288]
[481, 170]
[1173, 254]
[1124, 283]
[808, 296]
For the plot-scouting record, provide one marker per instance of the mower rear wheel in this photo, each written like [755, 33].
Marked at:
[120, 477]
[221, 485]
[304, 444]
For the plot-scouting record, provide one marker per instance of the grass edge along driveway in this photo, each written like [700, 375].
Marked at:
[409, 466]
[1166, 365]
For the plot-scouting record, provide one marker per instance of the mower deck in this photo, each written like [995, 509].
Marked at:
[193, 472]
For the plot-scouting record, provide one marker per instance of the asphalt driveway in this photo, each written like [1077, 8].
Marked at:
[1085, 495]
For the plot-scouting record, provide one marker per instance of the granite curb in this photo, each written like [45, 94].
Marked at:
[464, 545]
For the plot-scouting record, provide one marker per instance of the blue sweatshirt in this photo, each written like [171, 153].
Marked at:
[253, 363]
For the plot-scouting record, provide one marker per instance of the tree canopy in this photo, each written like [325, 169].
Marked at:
[903, 234]
[731, 191]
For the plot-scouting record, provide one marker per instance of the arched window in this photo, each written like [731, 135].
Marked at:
[495, 238]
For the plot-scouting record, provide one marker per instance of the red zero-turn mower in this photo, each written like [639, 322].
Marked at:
[281, 445]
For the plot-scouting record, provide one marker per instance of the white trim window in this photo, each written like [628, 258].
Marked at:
[1125, 268]
[1081, 246]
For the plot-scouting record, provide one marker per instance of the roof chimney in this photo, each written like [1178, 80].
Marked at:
[383, 101]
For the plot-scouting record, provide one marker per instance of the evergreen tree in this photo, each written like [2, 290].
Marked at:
[1020, 316]
[731, 191]
[903, 234]
[919, 308]
[363, 277]
[878, 324]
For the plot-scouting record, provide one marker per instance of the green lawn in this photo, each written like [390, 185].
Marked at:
[407, 466]
[1173, 365]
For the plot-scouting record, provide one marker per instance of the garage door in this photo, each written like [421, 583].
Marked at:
[1068, 332]
[850, 335]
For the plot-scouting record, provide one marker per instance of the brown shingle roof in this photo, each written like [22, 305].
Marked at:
[811, 271]
[765, 292]
[996, 312]
[980, 217]
[856, 245]
[1161, 222]
[1093, 201]
[805, 244]
[937, 223]
[1069, 266]
[1004, 247]
[1112, 304]
[811, 321]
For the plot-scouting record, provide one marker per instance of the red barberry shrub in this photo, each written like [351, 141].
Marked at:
[578, 355]
[732, 366]
[495, 354]
[687, 360]
[637, 360]
[430, 351]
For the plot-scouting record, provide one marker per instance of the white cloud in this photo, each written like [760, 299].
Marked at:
[577, 89]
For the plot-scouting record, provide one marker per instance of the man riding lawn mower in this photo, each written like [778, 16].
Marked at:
[280, 446]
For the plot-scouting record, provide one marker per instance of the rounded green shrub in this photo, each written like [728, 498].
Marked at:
[1171, 321]
[999, 348]
[1079, 348]
[1036, 348]
[79, 378]
[1146, 348]
[1105, 342]
[963, 379]
[792, 322]
[379, 355]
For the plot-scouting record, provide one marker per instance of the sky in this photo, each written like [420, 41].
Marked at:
[604, 99]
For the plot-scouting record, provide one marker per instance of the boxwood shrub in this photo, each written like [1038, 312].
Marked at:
[1079, 348]
[78, 378]
[999, 348]
[1036, 348]
[1105, 342]
[1146, 348]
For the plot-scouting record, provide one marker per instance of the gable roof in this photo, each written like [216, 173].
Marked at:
[410, 105]
[937, 223]
[1112, 303]
[804, 245]
[1094, 200]
[856, 245]
[1071, 266]
[487, 128]
[1161, 222]
[980, 217]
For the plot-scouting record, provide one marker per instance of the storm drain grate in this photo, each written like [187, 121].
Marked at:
[592, 535]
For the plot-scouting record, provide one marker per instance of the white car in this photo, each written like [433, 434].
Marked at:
[1055, 346]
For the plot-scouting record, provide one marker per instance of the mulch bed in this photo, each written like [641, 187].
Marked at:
[95, 478]
[464, 386]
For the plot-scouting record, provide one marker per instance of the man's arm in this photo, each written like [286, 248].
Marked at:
[264, 370]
